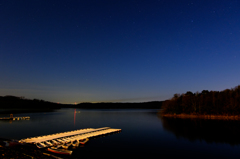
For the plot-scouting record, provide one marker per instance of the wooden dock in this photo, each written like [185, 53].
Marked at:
[70, 136]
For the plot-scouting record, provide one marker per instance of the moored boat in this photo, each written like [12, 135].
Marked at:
[57, 146]
[65, 139]
[48, 144]
[60, 151]
[75, 143]
[54, 142]
[59, 140]
[83, 141]
[11, 143]
[40, 145]
[66, 145]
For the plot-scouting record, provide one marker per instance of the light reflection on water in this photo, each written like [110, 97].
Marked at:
[144, 134]
[210, 131]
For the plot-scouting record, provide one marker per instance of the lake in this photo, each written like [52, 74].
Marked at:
[144, 134]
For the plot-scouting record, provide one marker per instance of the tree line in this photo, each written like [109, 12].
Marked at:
[143, 105]
[21, 102]
[226, 102]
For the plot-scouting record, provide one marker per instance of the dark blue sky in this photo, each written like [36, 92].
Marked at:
[121, 50]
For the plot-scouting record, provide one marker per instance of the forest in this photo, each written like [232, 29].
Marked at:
[226, 102]
[12, 105]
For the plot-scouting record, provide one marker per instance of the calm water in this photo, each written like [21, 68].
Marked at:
[144, 134]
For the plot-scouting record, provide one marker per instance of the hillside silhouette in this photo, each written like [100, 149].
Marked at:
[13, 104]
[144, 105]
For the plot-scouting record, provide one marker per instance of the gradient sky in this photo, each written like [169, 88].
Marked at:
[117, 50]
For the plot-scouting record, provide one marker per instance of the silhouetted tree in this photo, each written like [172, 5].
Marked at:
[226, 102]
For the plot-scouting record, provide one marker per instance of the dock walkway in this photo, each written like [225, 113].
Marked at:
[71, 135]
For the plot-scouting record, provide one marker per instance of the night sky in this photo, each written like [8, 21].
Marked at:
[117, 50]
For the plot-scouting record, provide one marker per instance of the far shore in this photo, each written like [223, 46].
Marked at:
[21, 111]
[218, 117]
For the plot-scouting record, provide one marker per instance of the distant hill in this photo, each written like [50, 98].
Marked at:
[18, 103]
[144, 105]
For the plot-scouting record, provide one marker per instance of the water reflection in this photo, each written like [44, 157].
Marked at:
[74, 117]
[217, 131]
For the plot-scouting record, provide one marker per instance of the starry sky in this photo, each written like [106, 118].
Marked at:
[117, 50]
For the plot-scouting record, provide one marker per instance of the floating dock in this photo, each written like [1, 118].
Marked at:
[15, 118]
[70, 136]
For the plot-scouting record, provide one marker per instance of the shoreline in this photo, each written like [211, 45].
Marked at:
[209, 116]
[22, 111]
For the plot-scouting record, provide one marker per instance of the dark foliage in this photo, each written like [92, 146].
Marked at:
[226, 102]
[17, 103]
